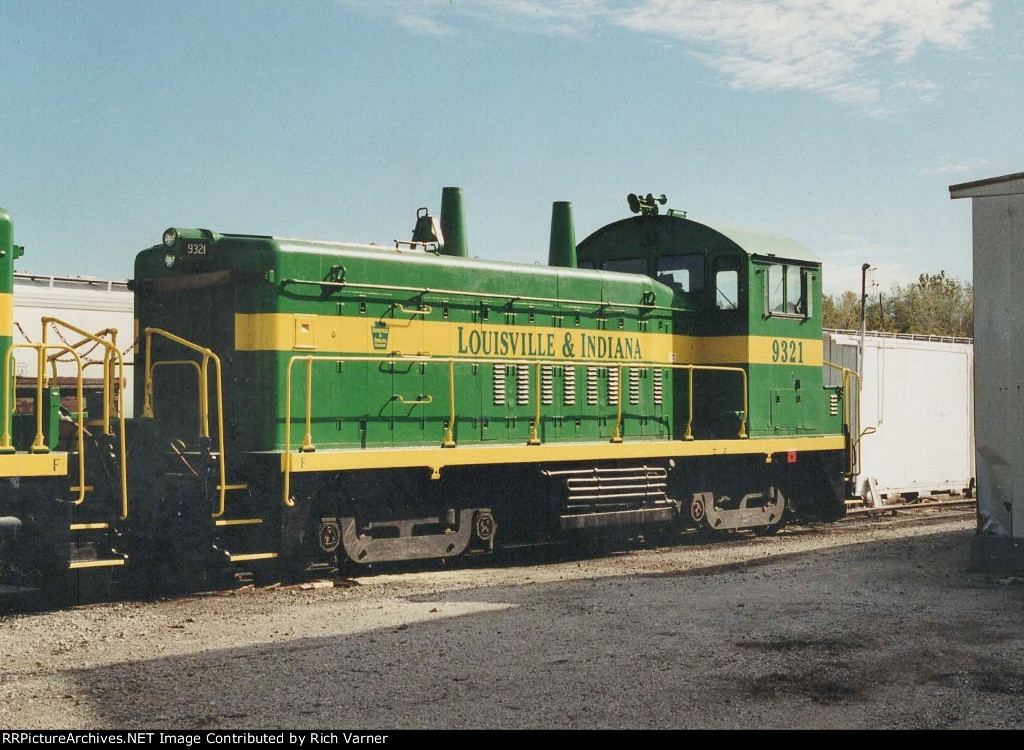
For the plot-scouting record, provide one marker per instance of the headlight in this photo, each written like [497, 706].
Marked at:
[169, 259]
[170, 237]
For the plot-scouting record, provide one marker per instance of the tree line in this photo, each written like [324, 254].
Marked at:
[935, 305]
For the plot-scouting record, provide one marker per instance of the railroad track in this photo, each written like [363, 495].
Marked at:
[856, 518]
[913, 508]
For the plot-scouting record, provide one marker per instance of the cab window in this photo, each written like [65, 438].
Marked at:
[625, 265]
[684, 273]
[785, 290]
[727, 284]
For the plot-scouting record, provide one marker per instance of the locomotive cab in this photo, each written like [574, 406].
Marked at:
[747, 358]
[740, 298]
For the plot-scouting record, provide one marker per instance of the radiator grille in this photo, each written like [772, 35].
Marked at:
[613, 386]
[547, 388]
[499, 385]
[522, 385]
[569, 386]
[634, 386]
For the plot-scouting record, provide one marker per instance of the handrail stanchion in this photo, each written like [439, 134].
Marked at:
[204, 398]
[307, 440]
[39, 444]
[746, 406]
[286, 483]
[617, 432]
[534, 438]
[5, 439]
[449, 433]
[147, 386]
[689, 408]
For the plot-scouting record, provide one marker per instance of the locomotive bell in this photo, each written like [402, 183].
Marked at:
[427, 228]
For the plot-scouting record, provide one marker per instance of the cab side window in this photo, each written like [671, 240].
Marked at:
[684, 273]
[727, 284]
[625, 265]
[786, 290]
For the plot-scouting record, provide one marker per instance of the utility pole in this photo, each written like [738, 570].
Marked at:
[863, 319]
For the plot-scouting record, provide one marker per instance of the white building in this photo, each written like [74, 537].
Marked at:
[998, 230]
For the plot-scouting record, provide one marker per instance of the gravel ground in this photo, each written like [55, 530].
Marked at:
[855, 625]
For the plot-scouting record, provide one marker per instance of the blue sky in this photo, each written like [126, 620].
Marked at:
[839, 124]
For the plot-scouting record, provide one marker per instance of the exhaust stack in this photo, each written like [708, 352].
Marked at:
[562, 250]
[453, 223]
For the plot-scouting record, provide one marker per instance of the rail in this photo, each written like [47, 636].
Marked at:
[448, 440]
[112, 356]
[39, 443]
[914, 508]
[204, 399]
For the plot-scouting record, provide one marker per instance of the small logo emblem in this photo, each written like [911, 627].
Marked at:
[380, 335]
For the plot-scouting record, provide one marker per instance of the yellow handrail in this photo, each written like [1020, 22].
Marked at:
[419, 401]
[448, 440]
[713, 368]
[204, 403]
[422, 310]
[534, 438]
[307, 441]
[617, 431]
[111, 352]
[39, 444]
[853, 459]
[55, 356]
[449, 433]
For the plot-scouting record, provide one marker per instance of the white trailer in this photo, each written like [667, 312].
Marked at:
[90, 304]
[916, 432]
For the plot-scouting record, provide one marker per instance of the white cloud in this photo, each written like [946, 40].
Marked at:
[841, 49]
[835, 48]
[923, 91]
[424, 25]
[949, 166]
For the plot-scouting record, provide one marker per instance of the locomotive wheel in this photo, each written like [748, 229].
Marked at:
[697, 512]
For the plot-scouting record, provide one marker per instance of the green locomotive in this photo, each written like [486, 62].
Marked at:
[49, 535]
[303, 405]
[372, 403]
